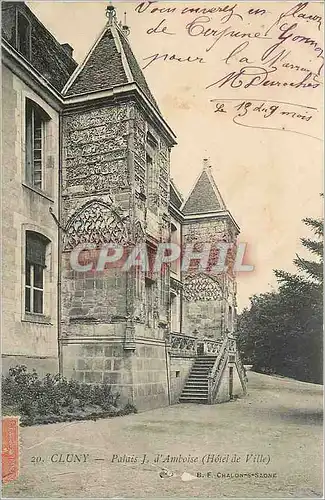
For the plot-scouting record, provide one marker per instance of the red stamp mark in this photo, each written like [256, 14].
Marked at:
[10, 449]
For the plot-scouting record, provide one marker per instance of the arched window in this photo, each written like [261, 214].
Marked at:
[35, 263]
[35, 129]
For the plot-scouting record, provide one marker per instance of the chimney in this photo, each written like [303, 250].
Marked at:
[67, 49]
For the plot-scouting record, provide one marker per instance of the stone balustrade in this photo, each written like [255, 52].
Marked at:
[183, 345]
[215, 374]
[241, 371]
[212, 346]
[187, 345]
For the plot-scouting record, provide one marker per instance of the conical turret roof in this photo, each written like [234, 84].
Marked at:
[204, 196]
[109, 63]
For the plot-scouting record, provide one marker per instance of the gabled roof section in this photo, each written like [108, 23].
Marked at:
[205, 196]
[47, 56]
[109, 63]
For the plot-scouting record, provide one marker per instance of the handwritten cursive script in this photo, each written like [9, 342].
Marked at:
[242, 47]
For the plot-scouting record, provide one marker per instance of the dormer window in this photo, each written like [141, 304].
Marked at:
[23, 35]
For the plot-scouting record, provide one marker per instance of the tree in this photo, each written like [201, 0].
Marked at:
[281, 332]
[311, 276]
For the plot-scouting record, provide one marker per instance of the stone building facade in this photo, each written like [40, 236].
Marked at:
[34, 69]
[87, 167]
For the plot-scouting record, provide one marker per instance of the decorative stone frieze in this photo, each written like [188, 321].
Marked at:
[96, 222]
[201, 287]
[139, 233]
[97, 117]
[99, 176]
[206, 232]
[183, 345]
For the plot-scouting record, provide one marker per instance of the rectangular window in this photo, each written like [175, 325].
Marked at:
[174, 238]
[230, 328]
[23, 36]
[152, 179]
[174, 313]
[34, 272]
[149, 301]
[34, 142]
[149, 167]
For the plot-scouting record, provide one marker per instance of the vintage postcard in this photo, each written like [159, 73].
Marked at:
[162, 242]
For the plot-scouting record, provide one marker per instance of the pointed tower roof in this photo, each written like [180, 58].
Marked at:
[175, 196]
[204, 196]
[109, 63]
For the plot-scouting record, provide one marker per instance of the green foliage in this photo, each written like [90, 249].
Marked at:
[281, 332]
[56, 399]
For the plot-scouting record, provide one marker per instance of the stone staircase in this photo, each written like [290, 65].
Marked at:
[196, 387]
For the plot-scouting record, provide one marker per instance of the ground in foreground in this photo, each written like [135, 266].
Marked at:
[273, 435]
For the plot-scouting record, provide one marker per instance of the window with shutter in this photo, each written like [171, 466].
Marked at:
[35, 257]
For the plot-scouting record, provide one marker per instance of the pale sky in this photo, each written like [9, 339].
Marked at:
[269, 179]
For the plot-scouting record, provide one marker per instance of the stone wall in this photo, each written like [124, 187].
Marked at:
[42, 365]
[105, 200]
[150, 376]
[237, 385]
[96, 211]
[100, 362]
[202, 318]
[27, 338]
[223, 390]
[95, 151]
[179, 371]
[140, 377]
[95, 297]
[151, 180]
[208, 295]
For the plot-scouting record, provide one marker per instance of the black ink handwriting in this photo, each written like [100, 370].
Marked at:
[161, 28]
[254, 76]
[171, 57]
[198, 27]
[295, 12]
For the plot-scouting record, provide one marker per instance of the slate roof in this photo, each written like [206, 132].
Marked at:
[48, 57]
[110, 63]
[174, 195]
[136, 71]
[103, 69]
[204, 197]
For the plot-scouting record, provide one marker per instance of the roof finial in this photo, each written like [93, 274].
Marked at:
[125, 27]
[206, 165]
[111, 13]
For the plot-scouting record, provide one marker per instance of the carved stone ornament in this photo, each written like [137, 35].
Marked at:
[183, 343]
[139, 233]
[99, 174]
[97, 117]
[201, 287]
[96, 222]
